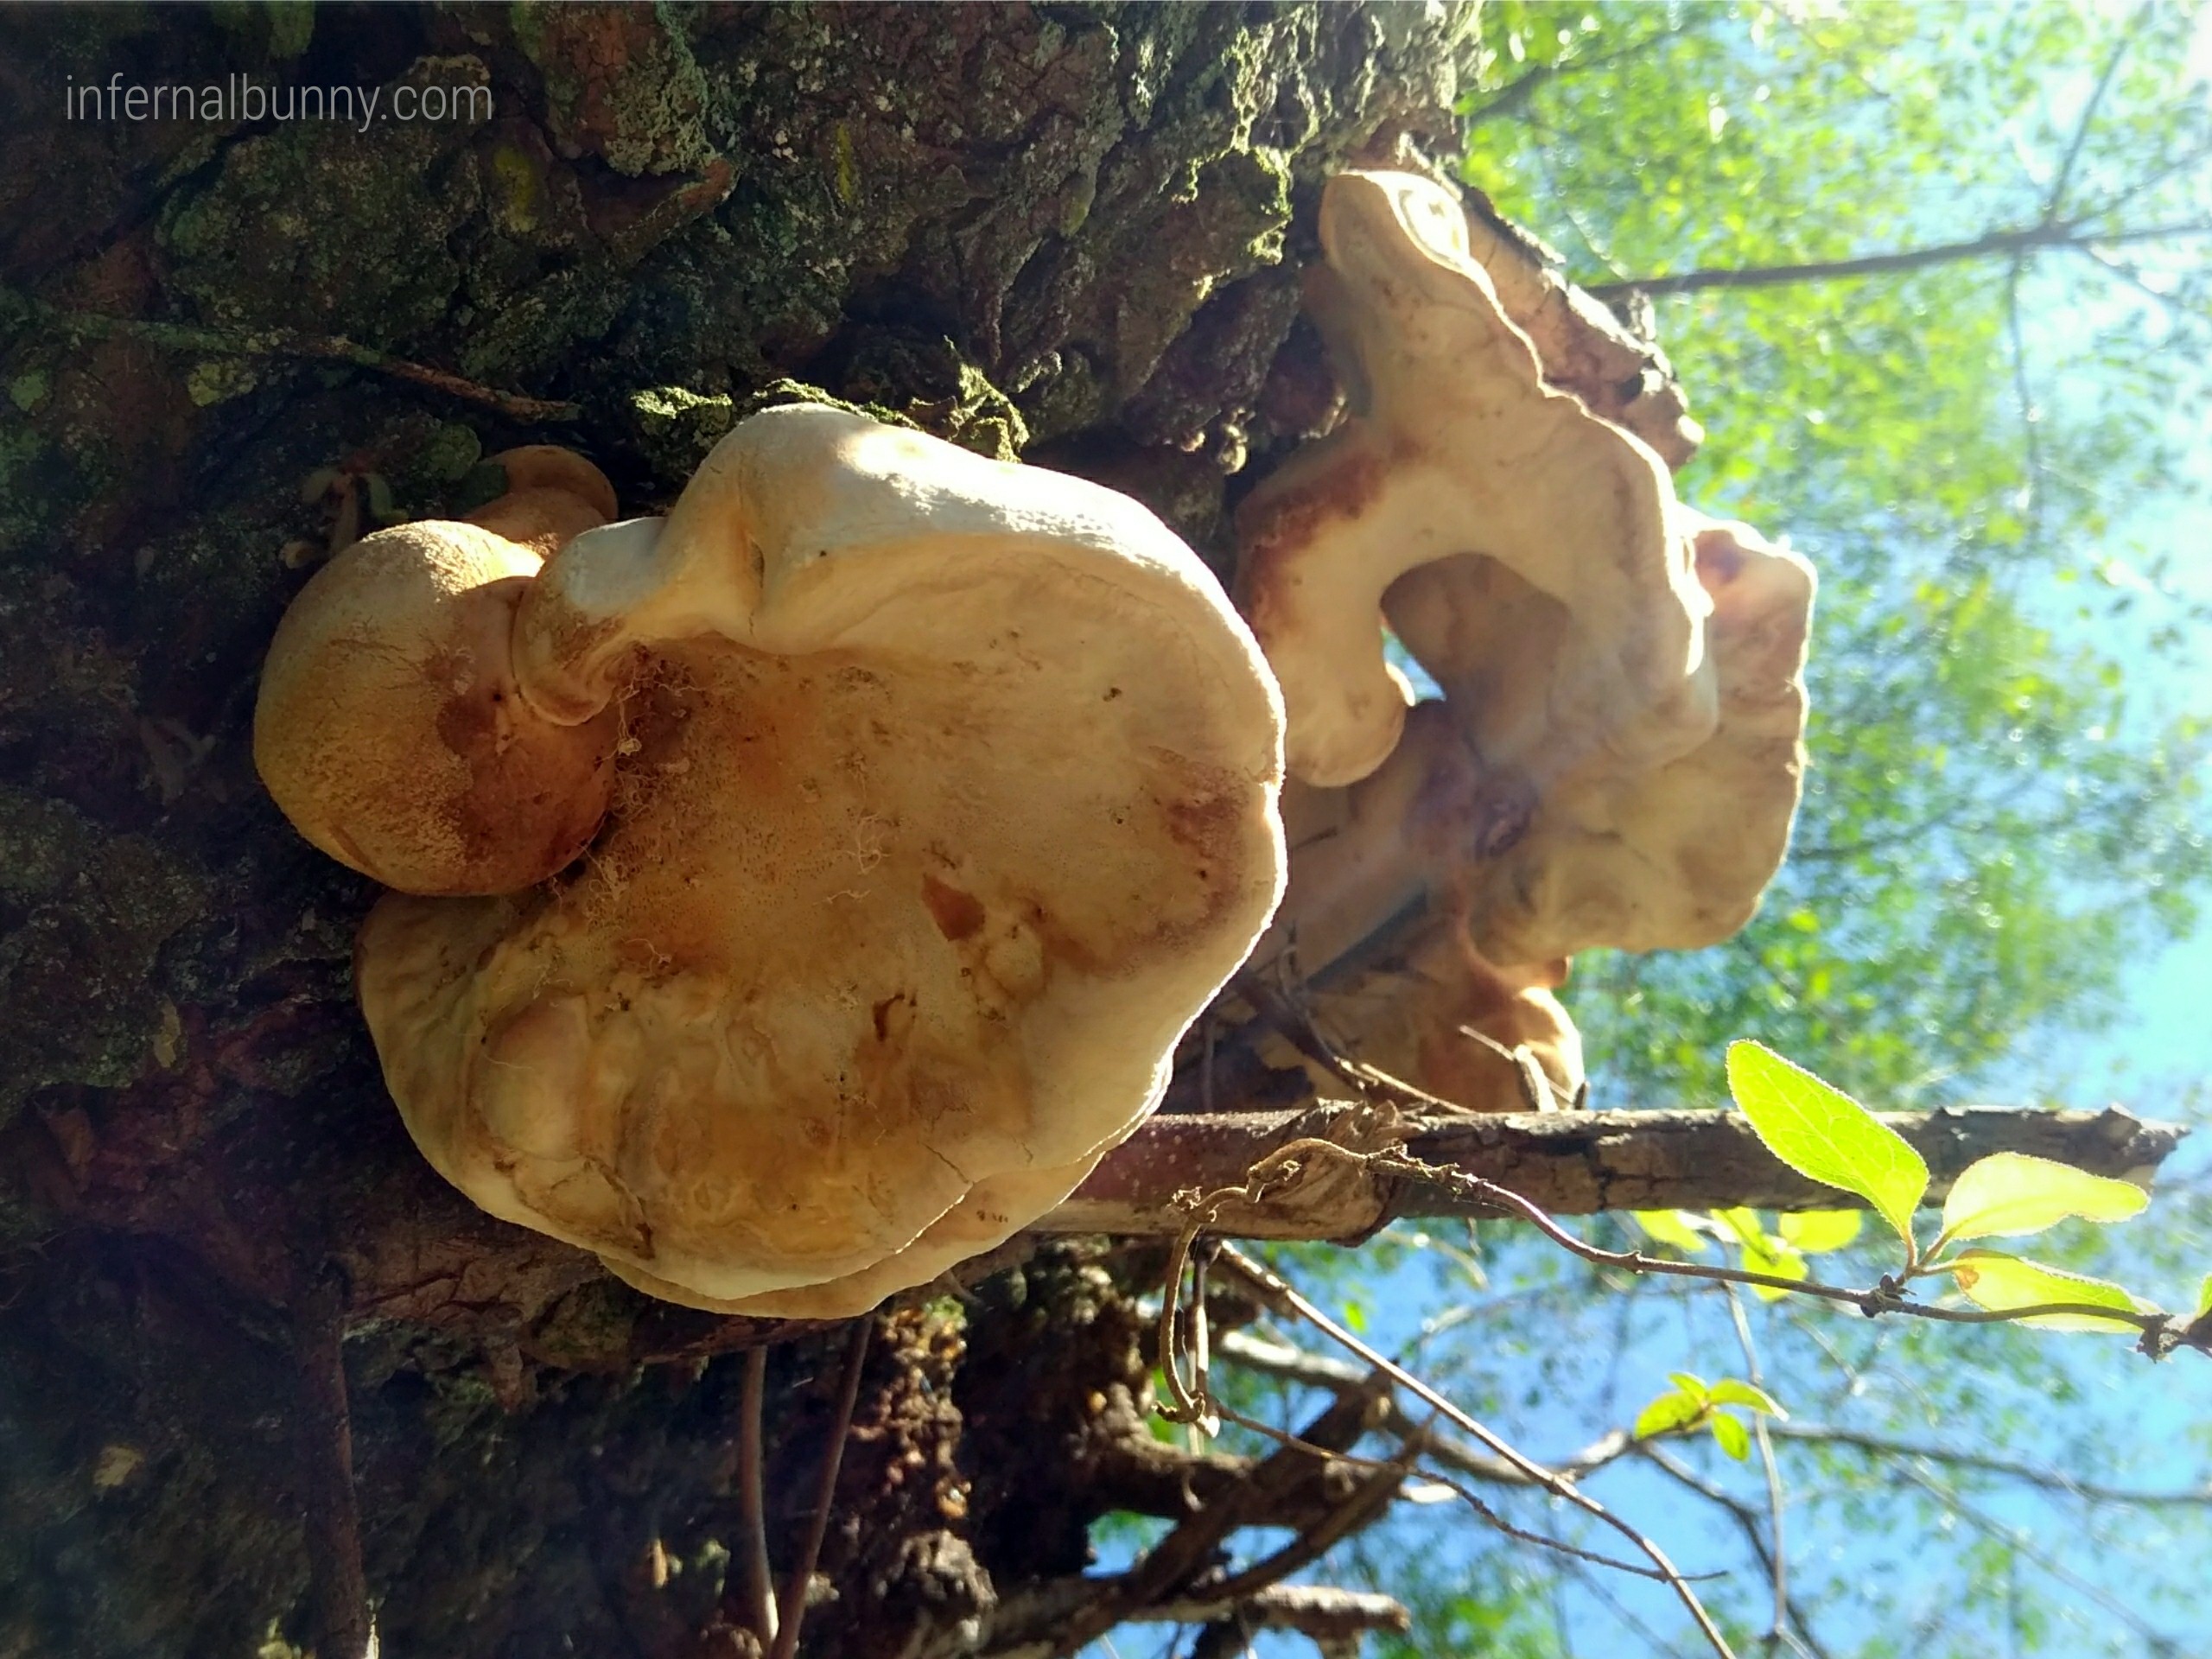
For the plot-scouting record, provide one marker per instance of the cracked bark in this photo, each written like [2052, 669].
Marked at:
[1567, 1163]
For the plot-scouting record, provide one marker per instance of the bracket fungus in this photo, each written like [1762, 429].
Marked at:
[1616, 758]
[390, 728]
[942, 797]
[1457, 447]
[1669, 853]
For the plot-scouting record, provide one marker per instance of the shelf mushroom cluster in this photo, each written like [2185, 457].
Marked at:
[798, 894]
[927, 800]
[1616, 757]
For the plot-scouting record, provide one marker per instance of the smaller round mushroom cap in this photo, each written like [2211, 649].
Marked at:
[390, 727]
[946, 801]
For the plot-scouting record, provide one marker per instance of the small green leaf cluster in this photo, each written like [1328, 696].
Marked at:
[1779, 1251]
[1827, 1136]
[1694, 1404]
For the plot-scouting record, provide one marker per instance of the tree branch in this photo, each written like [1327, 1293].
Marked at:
[1291, 1364]
[1565, 1163]
[792, 1612]
[1171, 1565]
[1992, 244]
[342, 1624]
[291, 343]
[1517, 92]
[1778, 1570]
[1317, 1612]
[759, 1579]
[1275, 1294]
[1883, 1446]
[1747, 1520]
[2057, 201]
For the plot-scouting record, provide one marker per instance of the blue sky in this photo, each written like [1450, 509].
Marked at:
[2087, 1403]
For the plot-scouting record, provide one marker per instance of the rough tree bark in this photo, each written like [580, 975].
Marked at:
[1067, 231]
[1567, 1163]
[230, 342]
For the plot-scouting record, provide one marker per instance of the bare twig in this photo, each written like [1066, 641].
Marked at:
[1991, 244]
[2144, 183]
[1420, 1441]
[290, 342]
[1515, 93]
[2134, 278]
[760, 1581]
[2054, 203]
[1654, 1644]
[1318, 1370]
[1283, 1011]
[2160, 1332]
[1172, 1564]
[1798, 1632]
[1320, 1612]
[2031, 417]
[343, 1627]
[2014, 1539]
[1778, 1570]
[793, 1612]
[1359, 1506]
[1275, 1293]
[2035, 1474]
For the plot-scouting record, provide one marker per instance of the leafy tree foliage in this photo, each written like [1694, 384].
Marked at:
[1986, 453]
[1992, 447]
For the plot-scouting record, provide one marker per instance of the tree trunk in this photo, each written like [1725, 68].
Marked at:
[258, 1363]
[235, 339]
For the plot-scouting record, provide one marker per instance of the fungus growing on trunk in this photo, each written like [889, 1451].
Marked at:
[944, 799]
[1455, 447]
[1616, 758]
[389, 727]
[1668, 856]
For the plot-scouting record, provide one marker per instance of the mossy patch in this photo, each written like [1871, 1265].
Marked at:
[90, 912]
[309, 227]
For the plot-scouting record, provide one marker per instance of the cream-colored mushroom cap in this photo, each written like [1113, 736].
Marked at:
[947, 799]
[1675, 856]
[1455, 447]
[1617, 761]
[389, 726]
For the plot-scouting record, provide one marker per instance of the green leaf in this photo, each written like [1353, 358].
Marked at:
[1749, 1231]
[2000, 1282]
[1735, 1440]
[1690, 1384]
[2204, 1297]
[1670, 1412]
[1815, 1230]
[1163, 1430]
[1668, 1227]
[1773, 1256]
[2012, 1193]
[1827, 1136]
[1733, 1391]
